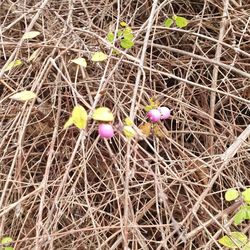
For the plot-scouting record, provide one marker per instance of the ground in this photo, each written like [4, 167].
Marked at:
[70, 189]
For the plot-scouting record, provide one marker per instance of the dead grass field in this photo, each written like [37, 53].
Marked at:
[68, 189]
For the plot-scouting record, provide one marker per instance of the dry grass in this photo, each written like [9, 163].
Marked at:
[70, 190]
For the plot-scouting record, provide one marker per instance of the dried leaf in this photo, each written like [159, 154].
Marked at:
[31, 34]
[24, 96]
[158, 131]
[145, 128]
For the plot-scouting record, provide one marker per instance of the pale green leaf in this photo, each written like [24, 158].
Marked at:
[31, 34]
[103, 114]
[33, 55]
[129, 132]
[168, 22]
[80, 61]
[235, 240]
[13, 64]
[8, 248]
[152, 105]
[79, 117]
[111, 37]
[246, 195]
[99, 57]
[231, 194]
[127, 44]
[68, 123]
[247, 246]
[128, 36]
[128, 122]
[181, 22]
[24, 96]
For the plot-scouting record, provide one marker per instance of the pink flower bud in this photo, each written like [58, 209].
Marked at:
[154, 115]
[105, 131]
[165, 112]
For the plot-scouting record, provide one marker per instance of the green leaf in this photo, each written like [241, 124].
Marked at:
[181, 22]
[128, 122]
[99, 57]
[80, 61]
[103, 114]
[119, 33]
[235, 240]
[129, 132]
[127, 44]
[168, 22]
[31, 34]
[111, 37]
[231, 194]
[6, 241]
[242, 214]
[13, 64]
[25, 95]
[128, 36]
[239, 217]
[123, 24]
[246, 195]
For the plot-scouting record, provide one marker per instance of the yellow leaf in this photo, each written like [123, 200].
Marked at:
[145, 128]
[129, 132]
[68, 123]
[31, 34]
[158, 131]
[123, 24]
[80, 61]
[103, 114]
[79, 117]
[24, 96]
[98, 57]
[128, 122]
[12, 65]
